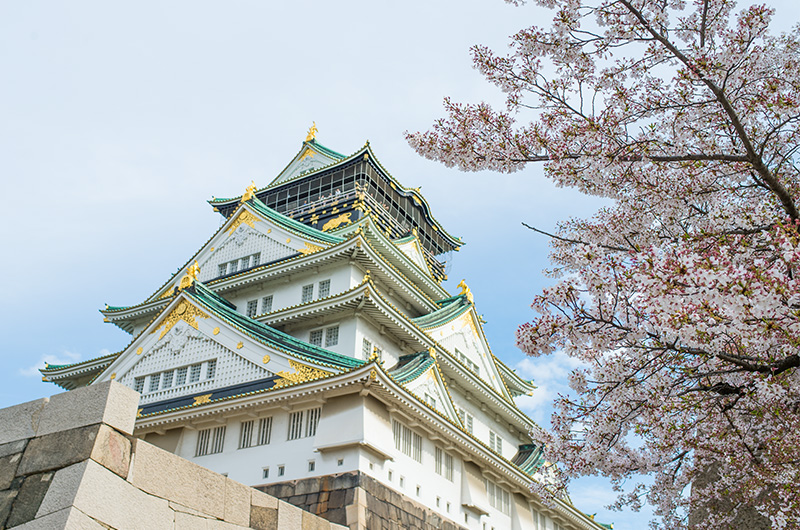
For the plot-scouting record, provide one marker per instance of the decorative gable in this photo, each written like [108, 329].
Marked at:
[311, 157]
[461, 337]
[411, 248]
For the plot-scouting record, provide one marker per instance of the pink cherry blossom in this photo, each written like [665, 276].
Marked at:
[682, 297]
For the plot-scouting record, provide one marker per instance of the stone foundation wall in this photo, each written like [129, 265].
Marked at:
[71, 462]
[359, 502]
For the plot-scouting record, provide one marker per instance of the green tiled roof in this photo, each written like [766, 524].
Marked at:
[450, 308]
[297, 226]
[529, 458]
[326, 150]
[411, 366]
[266, 334]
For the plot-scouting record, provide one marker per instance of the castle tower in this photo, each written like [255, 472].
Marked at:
[309, 349]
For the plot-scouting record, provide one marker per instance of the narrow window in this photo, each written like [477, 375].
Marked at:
[266, 304]
[265, 472]
[448, 467]
[264, 431]
[308, 293]
[366, 348]
[218, 440]
[316, 337]
[340, 462]
[233, 266]
[295, 425]
[256, 259]
[332, 336]
[418, 489]
[281, 470]
[194, 375]
[407, 441]
[324, 289]
[138, 384]
[202, 442]
[402, 481]
[245, 263]
[252, 308]
[181, 376]
[211, 370]
[312, 420]
[154, 380]
[390, 475]
[223, 269]
[311, 465]
[167, 379]
[246, 434]
[469, 423]
[438, 460]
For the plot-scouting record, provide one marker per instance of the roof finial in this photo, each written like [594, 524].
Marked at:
[465, 290]
[249, 192]
[191, 276]
[312, 132]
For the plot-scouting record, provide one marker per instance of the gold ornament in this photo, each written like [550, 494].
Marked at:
[183, 311]
[200, 400]
[249, 192]
[301, 374]
[265, 360]
[312, 132]
[245, 217]
[336, 221]
[309, 249]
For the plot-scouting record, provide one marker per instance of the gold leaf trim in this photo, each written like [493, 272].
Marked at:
[245, 217]
[301, 374]
[200, 400]
[183, 311]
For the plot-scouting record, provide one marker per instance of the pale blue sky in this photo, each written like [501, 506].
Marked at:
[118, 121]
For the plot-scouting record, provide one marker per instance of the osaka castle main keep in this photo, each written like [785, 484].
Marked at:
[308, 349]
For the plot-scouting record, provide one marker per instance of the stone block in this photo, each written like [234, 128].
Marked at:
[309, 485]
[184, 509]
[29, 498]
[345, 481]
[237, 503]
[187, 521]
[171, 477]
[21, 421]
[110, 403]
[8, 469]
[13, 447]
[314, 522]
[263, 518]
[67, 519]
[112, 450]
[58, 450]
[6, 501]
[289, 517]
[105, 497]
[261, 499]
[336, 515]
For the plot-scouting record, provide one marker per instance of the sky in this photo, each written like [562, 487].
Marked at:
[118, 121]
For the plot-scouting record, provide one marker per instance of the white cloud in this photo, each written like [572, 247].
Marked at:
[66, 357]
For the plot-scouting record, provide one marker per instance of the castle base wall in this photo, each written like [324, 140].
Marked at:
[359, 502]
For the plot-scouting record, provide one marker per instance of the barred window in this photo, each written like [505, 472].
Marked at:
[444, 464]
[154, 380]
[316, 337]
[499, 498]
[295, 425]
[366, 348]
[212, 369]
[233, 266]
[218, 440]
[303, 424]
[312, 420]
[246, 434]
[407, 441]
[256, 259]
[202, 442]
[245, 263]
[252, 308]
[167, 380]
[332, 336]
[264, 431]
[138, 384]
[324, 289]
[194, 375]
[308, 293]
[223, 269]
[181, 376]
[495, 442]
[266, 304]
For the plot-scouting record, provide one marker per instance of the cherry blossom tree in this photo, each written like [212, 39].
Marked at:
[682, 297]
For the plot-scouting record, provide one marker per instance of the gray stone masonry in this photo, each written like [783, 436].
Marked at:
[359, 502]
[71, 462]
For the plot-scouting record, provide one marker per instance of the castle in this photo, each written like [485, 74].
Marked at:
[309, 349]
